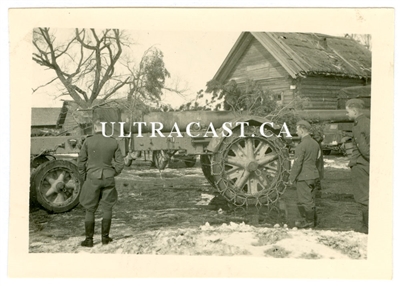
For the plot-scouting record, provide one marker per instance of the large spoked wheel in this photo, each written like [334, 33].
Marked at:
[56, 186]
[251, 170]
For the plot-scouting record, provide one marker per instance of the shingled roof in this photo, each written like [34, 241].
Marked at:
[303, 54]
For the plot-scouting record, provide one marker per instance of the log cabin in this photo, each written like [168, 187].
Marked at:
[310, 66]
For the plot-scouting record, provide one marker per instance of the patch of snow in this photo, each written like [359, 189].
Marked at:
[337, 163]
[205, 199]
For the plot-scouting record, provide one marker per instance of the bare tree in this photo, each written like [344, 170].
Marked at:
[363, 39]
[85, 63]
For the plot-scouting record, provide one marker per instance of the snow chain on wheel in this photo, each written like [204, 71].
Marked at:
[251, 170]
[206, 168]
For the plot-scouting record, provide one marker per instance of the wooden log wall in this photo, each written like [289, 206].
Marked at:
[259, 65]
[322, 92]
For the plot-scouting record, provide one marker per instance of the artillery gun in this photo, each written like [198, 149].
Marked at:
[249, 167]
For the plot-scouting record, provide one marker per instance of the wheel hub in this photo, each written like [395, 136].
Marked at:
[60, 186]
[252, 166]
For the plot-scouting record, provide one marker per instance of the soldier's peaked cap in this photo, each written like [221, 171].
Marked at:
[355, 101]
[304, 123]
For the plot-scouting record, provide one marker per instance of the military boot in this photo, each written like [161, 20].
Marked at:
[315, 217]
[317, 190]
[309, 221]
[365, 217]
[302, 212]
[105, 231]
[89, 230]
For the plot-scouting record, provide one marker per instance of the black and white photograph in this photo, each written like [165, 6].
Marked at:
[163, 135]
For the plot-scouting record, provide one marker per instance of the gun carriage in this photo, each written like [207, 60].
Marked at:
[249, 167]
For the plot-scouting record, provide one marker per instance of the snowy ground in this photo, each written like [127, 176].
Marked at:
[171, 213]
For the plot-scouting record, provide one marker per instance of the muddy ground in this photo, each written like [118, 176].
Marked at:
[178, 212]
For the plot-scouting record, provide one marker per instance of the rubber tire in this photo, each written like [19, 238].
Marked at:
[37, 177]
[39, 161]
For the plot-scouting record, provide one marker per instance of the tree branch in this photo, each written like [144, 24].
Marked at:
[66, 48]
[110, 69]
[81, 40]
[81, 92]
[35, 89]
[116, 87]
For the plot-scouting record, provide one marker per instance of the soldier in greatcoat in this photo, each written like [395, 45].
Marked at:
[359, 159]
[95, 163]
[304, 174]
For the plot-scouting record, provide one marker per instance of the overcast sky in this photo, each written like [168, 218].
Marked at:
[193, 58]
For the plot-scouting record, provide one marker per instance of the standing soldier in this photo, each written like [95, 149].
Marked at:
[304, 172]
[95, 164]
[318, 136]
[359, 159]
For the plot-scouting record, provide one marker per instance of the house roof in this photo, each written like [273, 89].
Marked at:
[302, 54]
[45, 116]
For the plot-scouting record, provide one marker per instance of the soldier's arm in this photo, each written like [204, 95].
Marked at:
[297, 164]
[82, 159]
[363, 142]
[119, 161]
[354, 153]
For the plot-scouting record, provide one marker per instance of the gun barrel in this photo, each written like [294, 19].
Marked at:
[339, 115]
[182, 119]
